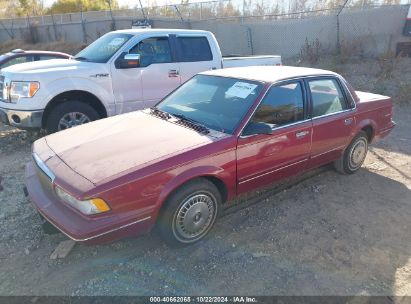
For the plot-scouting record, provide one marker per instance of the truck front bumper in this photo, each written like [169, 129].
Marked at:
[21, 119]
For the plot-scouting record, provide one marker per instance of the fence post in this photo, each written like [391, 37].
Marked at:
[201, 10]
[338, 27]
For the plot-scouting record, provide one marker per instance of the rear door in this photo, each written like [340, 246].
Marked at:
[194, 55]
[264, 159]
[333, 119]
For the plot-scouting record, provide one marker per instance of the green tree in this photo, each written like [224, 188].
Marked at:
[70, 6]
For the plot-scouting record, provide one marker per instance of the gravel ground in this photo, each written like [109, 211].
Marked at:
[320, 234]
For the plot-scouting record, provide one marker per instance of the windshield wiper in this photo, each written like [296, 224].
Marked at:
[192, 123]
[81, 58]
[164, 115]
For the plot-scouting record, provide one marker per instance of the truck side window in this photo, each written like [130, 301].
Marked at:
[194, 49]
[326, 96]
[281, 106]
[153, 50]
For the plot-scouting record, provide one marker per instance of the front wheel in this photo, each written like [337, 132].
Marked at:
[189, 213]
[69, 114]
[354, 156]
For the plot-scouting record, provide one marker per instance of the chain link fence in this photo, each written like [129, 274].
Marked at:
[291, 28]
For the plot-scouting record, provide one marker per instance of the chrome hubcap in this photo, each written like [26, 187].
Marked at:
[358, 153]
[195, 217]
[72, 119]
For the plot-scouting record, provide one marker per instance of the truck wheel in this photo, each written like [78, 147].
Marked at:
[354, 155]
[189, 213]
[70, 114]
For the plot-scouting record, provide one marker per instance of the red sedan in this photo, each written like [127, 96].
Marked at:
[219, 135]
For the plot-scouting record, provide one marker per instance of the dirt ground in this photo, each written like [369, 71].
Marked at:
[325, 234]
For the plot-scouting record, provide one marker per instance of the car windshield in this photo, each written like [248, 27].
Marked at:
[219, 103]
[104, 48]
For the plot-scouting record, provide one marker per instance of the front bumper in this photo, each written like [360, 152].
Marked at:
[91, 230]
[21, 119]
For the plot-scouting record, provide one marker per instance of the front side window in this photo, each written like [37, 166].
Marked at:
[101, 50]
[326, 97]
[281, 106]
[194, 49]
[153, 50]
[219, 103]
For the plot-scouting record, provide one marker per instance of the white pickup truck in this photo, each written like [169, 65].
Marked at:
[121, 71]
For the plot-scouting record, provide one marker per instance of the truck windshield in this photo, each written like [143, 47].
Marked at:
[104, 48]
[219, 103]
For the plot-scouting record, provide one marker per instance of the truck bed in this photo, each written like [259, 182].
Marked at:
[231, 62]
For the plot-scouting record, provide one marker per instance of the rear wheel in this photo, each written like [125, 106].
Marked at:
[189, 213]
[354, 155]
[70, 114]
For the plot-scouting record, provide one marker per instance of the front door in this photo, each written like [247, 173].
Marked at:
[263, 159]
[333, 120]
[156, 77]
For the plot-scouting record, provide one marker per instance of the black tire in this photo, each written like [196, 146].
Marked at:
[180, 217]
[354, 155]
[54, 119]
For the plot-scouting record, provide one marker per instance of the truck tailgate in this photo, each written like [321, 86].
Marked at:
[231, 62]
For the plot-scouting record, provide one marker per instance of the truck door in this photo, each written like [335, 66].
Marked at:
[194, 55]
[157, 75]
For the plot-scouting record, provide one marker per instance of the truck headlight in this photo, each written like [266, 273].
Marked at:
[22, 89]
[92, 206]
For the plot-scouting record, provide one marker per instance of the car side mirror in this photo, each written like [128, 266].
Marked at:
[128, 61]
[254, 128]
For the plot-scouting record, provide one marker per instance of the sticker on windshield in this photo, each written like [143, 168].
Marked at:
[241, 89]
[116, 42]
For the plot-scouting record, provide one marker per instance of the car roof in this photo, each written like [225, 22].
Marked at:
[268, 73]
[34, 52]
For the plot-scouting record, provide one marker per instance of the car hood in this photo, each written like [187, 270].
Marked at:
[57, 66]
[108, 147]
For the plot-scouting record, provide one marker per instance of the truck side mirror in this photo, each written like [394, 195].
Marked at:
[127, 61]
[254, 128]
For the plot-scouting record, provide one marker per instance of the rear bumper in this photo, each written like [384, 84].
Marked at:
[92, 230]
[384, 132]
[21, 119]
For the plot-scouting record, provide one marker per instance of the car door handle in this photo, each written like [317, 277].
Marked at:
[301, 134]
[173, 73]
[348, 121]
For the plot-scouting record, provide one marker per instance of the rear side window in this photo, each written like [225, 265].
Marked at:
[48, 57]
[194, 49]
[281, 106]
[326, 97]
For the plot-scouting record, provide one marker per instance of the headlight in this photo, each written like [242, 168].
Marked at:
[22, 89]
[92, 206]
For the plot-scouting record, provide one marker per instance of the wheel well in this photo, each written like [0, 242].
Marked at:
[369, 131]
[220, 186]
[83, 96]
